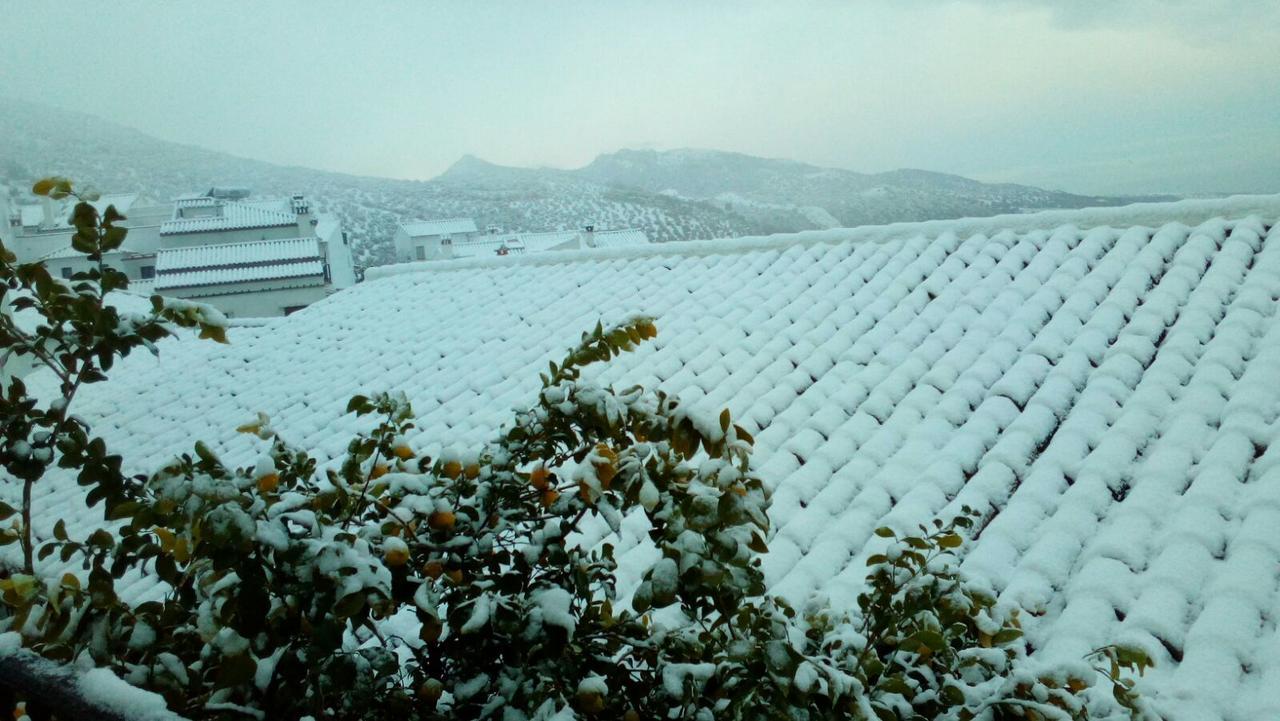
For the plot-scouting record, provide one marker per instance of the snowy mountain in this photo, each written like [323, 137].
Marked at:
[673, 195]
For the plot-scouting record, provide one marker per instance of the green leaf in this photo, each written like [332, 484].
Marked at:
[951, 540]
[1007, 636]
[113, 237]
[885, 532]
[44, 186]
[724, 421]
[6, 510]
[236, 670]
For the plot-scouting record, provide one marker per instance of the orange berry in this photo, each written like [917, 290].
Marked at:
[441, 520]
[269, 482]
[431, 690]
[452, 469]
[455, 575]
[433, 570]
[378, 471]
[395, 552]
[472, 471]
[404, 453]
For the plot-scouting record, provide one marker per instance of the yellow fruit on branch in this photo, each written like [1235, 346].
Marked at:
[442, 520]
[433, 570]
[452, 469]
[404, 453]
[269, 482]
[395, 552]
[378, 471]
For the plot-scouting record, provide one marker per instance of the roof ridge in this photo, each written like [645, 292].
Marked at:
[1191, 212]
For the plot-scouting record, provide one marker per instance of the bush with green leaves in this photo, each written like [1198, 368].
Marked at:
[392, 585]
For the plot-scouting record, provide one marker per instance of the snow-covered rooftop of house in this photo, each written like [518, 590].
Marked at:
[32, 214]
[231, 254]
[620, 238]
[239, 262]
[1101, 384]
[233, 215]
[70, 252]
[442, 226]
[514, 243]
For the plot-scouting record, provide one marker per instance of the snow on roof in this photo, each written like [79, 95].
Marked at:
[1101, 384]
[70, 252]
[443, 226]
[234, 215]
[230, 254]
[33, 214]
[239, 262]
[490, 244]
[620, 238]
[311, 270]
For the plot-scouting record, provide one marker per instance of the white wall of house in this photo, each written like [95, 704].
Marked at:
[252, 300]
[60, 267]
[427, 247]
[337, 250]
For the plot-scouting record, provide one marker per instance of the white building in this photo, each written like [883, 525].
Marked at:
[429, 239]
[248, 258]
[459, 238]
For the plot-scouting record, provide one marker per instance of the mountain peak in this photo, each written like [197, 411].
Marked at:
[469, 164]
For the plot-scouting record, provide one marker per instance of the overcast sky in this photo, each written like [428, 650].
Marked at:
[1106, 96]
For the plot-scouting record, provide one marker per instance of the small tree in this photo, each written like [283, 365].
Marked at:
[395, 585]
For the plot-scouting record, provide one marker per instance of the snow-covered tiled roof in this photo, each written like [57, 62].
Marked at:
[1101, 384]
[68, 251]
[33, 214]
[490, 244]
[620, 238]
[444, 226]
[230, 254]
[233, 215]
[312, 270]
[257, 260]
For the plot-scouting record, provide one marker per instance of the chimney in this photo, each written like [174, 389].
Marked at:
[46, 204]
[302, 208]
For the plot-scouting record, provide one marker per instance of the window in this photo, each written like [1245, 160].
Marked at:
[446, 241]
[291, 309]
[66, 272]
[422, 253]
[148, 272]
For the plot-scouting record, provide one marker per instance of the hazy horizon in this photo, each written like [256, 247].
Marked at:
[1152, 96]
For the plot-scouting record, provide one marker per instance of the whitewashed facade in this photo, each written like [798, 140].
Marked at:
[459, 238]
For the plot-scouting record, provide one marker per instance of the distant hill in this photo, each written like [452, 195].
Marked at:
[672, 195]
